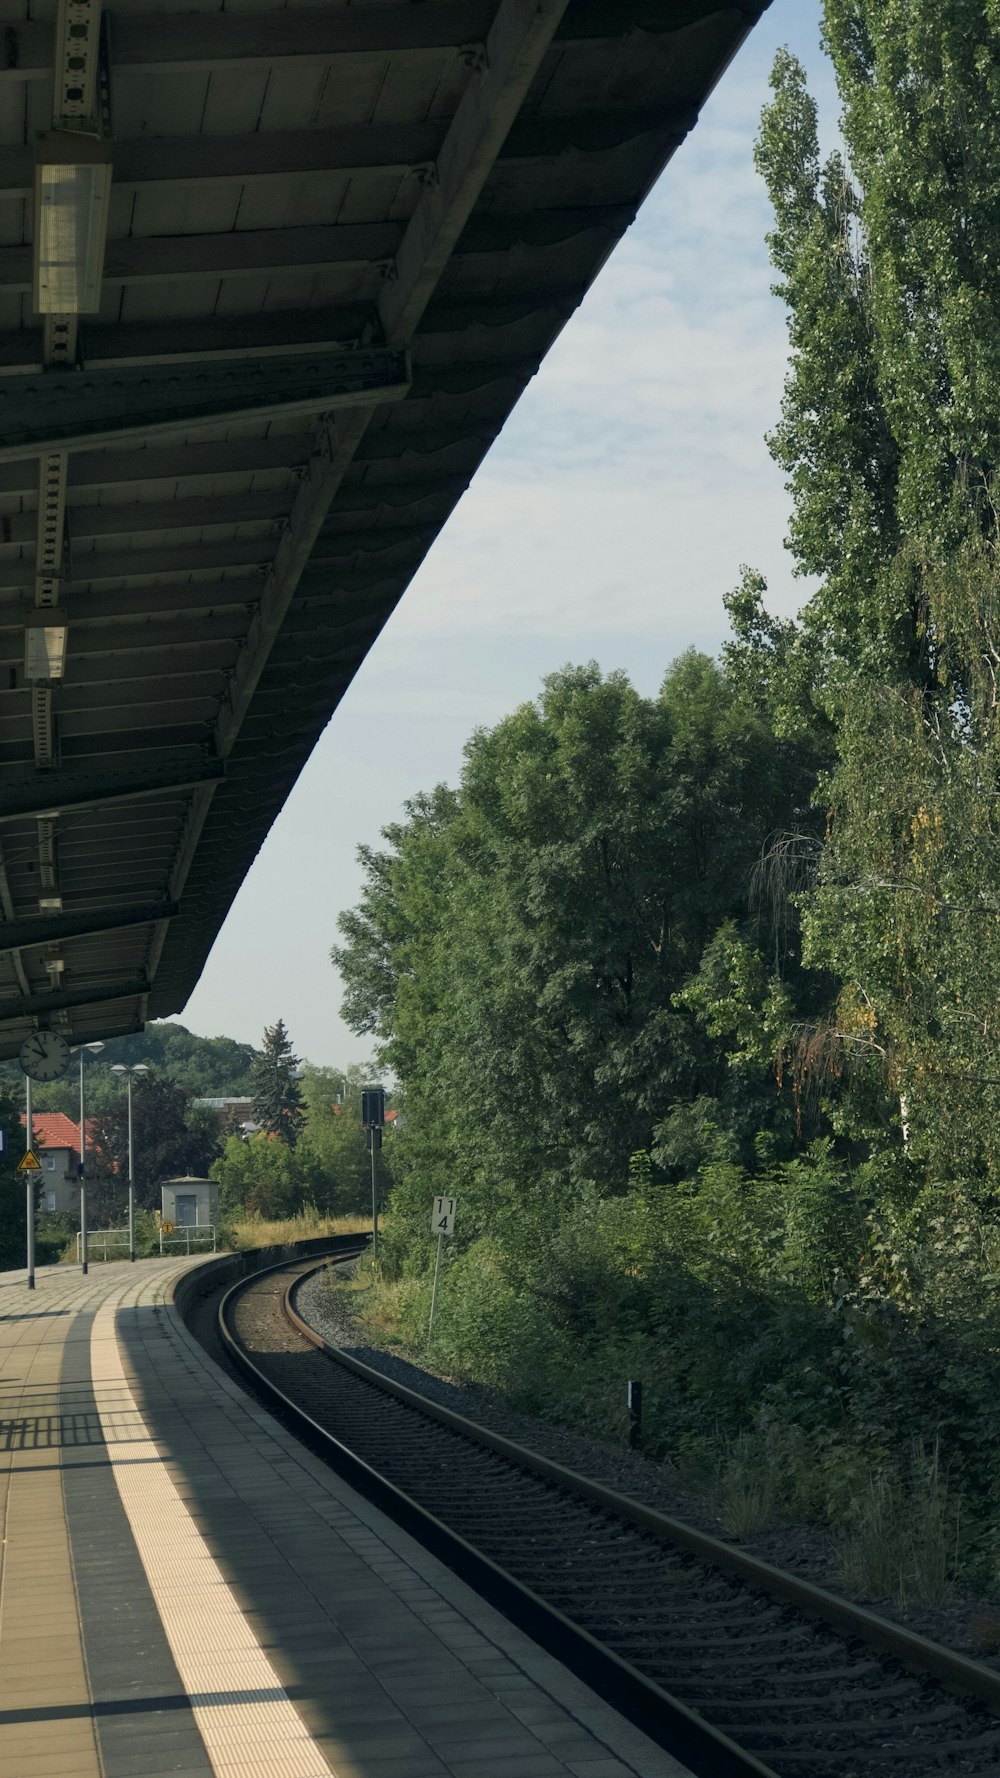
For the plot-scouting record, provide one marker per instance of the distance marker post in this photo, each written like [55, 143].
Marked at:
[442, 1223]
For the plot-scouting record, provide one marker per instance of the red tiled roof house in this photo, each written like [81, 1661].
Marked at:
[58, 1139]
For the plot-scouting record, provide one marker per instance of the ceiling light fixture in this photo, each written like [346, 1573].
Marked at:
[72, 193]
[45, 644]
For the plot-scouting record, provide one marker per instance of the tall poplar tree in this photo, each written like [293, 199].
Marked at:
[277, 1096]
[889, 262]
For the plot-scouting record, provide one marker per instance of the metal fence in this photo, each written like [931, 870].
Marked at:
[196, 1238]
[191, 1238]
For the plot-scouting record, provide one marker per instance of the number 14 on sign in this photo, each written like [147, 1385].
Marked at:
[442, 1223]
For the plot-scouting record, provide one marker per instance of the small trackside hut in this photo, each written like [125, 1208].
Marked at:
[190, 1203]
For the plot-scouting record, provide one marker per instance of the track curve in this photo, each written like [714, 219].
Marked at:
[738, 1668]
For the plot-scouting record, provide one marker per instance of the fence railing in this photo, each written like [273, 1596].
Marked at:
[189, 1237]
[199, 1237]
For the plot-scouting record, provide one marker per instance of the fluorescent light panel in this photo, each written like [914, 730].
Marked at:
[72, 191]
[45, 644]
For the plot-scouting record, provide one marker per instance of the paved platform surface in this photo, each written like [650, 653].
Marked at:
[185, 1590]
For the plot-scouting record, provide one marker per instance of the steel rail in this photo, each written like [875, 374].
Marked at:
[916, 1652]
[684, 1733]
[676, 1725]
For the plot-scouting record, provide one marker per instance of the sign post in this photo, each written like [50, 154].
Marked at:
[442, 1223]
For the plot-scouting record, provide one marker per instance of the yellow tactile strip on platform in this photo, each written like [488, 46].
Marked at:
[245, 1717]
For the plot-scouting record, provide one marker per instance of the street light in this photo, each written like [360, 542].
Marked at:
[94, 1049]
[128, 1069]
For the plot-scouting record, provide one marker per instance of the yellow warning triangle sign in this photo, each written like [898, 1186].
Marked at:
[29, 1162]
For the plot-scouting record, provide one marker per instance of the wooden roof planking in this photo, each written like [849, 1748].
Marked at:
[334, 245]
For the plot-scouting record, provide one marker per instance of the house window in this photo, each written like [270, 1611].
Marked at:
[50, 1163]
[50, 1200]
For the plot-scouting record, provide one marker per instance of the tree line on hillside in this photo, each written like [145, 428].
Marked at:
[202, 1067]
[692, 999]
[306, 1147]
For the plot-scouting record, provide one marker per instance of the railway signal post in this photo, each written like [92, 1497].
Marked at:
[373, 1119]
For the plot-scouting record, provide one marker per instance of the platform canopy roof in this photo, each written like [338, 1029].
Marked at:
[271, 280]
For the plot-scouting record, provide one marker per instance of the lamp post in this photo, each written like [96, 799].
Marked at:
[94, 1049]
[128, 1069]
[31, 1201]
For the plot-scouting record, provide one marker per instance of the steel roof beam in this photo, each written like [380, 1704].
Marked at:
[122, 517]
[58, 999]
[101, 469]
[108, 345]
[166, 560]
[270, 508]
[254, 253]
[273, 154]
[132, 565]
[195, 690]
[69, 411]
[338, 442]
[515, 45]
[156, 639]
[138, 720]
[188, 42]
[47, 929]
[141, 612]
[212, 661]
[93, 703]
[83, 751]
[244, 253]
[63, 790]
[404, 147]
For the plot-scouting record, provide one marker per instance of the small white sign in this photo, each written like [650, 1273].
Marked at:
[443, 1216]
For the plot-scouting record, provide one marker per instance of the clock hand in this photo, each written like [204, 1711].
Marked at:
[39, 1046]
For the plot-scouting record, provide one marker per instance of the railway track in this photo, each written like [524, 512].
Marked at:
[738, 1668]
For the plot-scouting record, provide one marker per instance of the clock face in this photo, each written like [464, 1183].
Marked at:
[45, 1055]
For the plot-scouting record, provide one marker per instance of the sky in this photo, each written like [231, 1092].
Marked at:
[614, 512]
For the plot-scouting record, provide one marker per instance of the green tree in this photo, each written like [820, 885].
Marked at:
[168, 1143]
[522, 946]
[12, 1192]
[890, 436]
[259, 1176]
[335, 1138]
[277, 1096]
